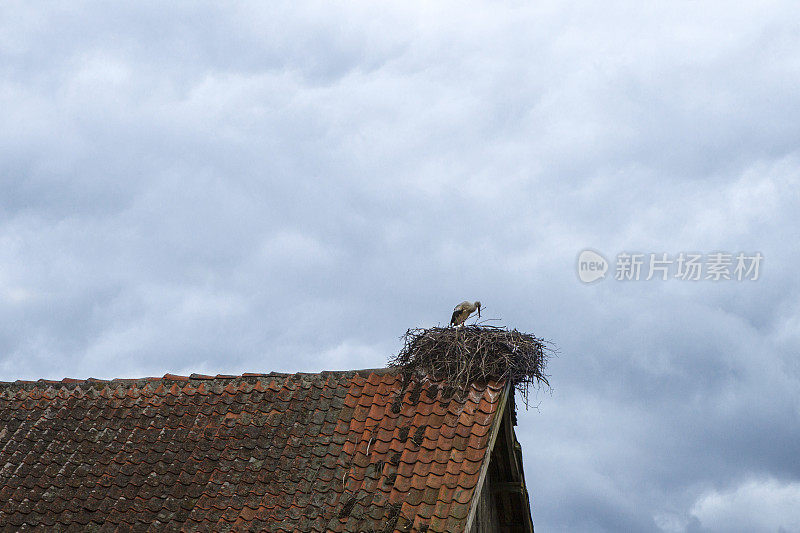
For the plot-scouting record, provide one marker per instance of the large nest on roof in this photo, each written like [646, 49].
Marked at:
[476, 353]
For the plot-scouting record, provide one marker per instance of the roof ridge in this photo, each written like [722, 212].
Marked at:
[192, 377]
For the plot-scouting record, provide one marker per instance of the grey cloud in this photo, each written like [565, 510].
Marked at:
[248, 188]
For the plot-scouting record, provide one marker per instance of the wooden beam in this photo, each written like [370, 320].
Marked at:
[517, 487]
[511, 443]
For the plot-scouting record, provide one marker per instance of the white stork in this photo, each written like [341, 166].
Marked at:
[462, 311]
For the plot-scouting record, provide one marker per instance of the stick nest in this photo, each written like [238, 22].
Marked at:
[475, 354]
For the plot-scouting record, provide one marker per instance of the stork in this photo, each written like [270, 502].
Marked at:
[462, 311]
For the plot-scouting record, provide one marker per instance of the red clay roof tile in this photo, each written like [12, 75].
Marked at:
[344, 451]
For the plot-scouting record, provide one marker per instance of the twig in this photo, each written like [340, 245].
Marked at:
[473, 353]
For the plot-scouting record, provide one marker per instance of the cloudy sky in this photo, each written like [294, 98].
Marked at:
[253, 187]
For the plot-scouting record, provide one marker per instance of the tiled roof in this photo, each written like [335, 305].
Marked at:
[336, 451]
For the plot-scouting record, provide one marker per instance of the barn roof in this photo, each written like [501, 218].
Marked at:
[338, 451]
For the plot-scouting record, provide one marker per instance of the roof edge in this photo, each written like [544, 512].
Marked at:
[364, 372]
[495, 431]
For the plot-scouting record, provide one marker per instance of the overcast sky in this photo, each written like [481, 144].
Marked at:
[252, 187]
